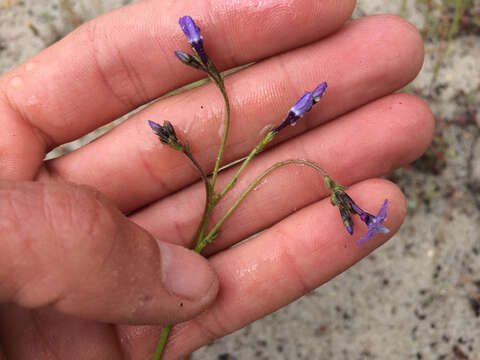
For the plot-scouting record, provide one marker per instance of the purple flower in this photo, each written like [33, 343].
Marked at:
[374, 223]
[302, 106]
[192, 32]
[318, 92]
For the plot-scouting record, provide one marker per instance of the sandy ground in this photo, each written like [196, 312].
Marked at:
[417, 297]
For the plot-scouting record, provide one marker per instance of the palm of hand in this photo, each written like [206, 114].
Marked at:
[360, 131]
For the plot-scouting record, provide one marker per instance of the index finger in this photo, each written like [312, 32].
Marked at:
[119, 61]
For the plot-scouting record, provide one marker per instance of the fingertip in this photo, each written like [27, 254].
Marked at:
[405, 37]
[187, 274]
[412, 127]
[423, 123]
[398, 40]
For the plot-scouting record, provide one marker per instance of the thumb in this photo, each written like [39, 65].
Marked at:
[66, 247]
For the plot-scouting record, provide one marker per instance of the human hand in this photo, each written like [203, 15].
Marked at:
[63, 246]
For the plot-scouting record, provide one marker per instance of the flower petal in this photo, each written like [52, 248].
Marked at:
[318, 92]
[303, 105]
[190, 29]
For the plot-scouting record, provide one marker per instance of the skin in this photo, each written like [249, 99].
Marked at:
[81, 280]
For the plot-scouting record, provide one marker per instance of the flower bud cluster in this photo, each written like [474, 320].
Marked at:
[166, 134]
[199, 60]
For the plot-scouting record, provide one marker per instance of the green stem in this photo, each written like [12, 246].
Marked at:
[208, 195]
[221, 87]
[203, 225]
[245, 162]
[162, 342]
[200, 238]
[204, 242]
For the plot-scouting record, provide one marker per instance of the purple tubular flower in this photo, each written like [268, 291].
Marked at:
[303, 105]
[374, 223]
[318, 92]
[192, 32]
[190, 29]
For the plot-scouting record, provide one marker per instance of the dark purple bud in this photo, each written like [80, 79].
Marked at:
[184, 57]
[188, 59]
[169, 129]
[155, 127]
[342, 200]
[192, 32]
[166, 133]
[319, 91]
[347, 220]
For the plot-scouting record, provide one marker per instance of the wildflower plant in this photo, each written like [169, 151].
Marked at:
[166, 133]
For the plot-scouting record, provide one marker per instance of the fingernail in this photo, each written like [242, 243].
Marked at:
[185, 273]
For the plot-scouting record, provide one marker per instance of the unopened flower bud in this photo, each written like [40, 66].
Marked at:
[166, 134]
[192, 32]
[347, 220]
[188, 59]
[302, 106]
[319, 91]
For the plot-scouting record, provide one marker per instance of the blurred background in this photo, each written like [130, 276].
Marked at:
[417, 297]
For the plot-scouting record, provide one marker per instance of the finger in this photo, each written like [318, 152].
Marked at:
[295, 256]
[368, 142]
[390, 56]
[45, 334]
[66, 248]
[124, 59]
[21, 145]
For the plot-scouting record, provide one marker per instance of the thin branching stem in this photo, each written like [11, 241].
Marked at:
[221, 87]
[208, 196]
[214, 230]
[269, 137]
[211, 198]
